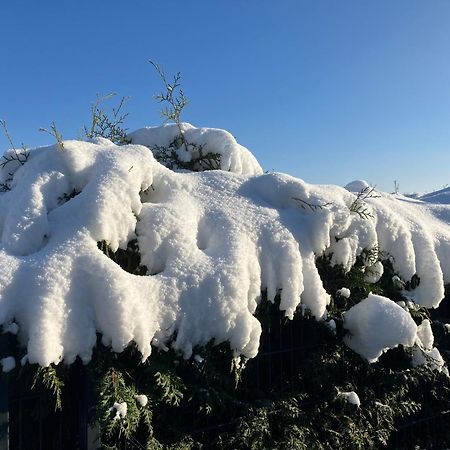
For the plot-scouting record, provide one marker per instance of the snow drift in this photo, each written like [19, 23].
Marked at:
[211, 242]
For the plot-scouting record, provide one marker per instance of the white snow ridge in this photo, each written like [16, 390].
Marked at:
[211, 241]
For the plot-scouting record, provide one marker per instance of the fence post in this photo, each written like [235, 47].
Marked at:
[5, 348]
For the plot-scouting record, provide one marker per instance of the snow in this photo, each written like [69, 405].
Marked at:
[374, 272]
[441, 196]
[331, 324]
[351, 397]
[377, 324]
[142, 400]
[424, 353]
[234, 157]
[12, 328]
[357, 186]
[430, 358]
[198, 359]
[120, 409]
[8, 364]
[211, 241]
[344, 292]
[425, 338]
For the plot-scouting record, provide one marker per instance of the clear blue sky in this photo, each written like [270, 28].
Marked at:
[328, 91]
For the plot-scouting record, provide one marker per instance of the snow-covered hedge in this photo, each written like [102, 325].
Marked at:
[211, 242]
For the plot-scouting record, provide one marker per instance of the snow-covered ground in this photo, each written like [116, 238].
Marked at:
[211, 241]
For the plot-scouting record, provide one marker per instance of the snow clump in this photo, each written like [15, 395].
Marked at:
[377, 324]
[120, 409]
[142, 400]
[357, 186]
[8, 364]
[351, 397]
[211, 242]
[344, 292]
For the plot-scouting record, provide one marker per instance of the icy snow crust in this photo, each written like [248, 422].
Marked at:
[211, 241]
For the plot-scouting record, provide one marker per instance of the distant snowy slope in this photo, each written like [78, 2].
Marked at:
[439, 197]
[211, 242]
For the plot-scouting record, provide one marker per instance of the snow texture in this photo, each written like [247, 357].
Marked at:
[211, 242]
[378, 324]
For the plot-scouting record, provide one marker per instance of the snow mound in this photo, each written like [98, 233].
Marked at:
[233, 157]
[378, 324]
[357, 186]
[211, 242]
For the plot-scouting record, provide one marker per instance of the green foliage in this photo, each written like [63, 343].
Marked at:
[171, 387]
[19, 156]
[312, 206]
[173, 97]
[113, 389]
[109, 126]
[48, 377]
[359, 207]
[129, 259]
[175, 100]
[55, 133]
[201, 160]
[286, 397]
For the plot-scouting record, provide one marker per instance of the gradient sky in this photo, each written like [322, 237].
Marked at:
[325, 90]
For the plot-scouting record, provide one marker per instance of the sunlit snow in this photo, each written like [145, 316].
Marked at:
[211, 241]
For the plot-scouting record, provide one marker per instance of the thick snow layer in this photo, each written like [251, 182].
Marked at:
[233, 157]
[377, 324]
[211, 241]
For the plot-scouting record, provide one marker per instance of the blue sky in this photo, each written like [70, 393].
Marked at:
[325, 90]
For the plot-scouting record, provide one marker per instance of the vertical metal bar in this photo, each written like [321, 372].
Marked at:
[20, 408]
[4, 416]
[281, 347]
[40, 422]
